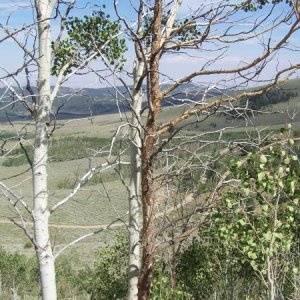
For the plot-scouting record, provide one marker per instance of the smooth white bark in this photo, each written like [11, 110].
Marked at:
[134, 259]
[40, 212]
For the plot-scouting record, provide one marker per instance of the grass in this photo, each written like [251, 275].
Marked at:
[9, 135]
[277, 114]
[79, 255]
[69, 182]
[4, 135]
[60, 149]
[94, 204]
[89, 207]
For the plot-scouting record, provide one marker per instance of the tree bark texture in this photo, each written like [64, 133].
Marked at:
[148, 200]
[40, 212]
[134, 258]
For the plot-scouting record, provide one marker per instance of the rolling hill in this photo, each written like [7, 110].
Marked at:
[73, 104]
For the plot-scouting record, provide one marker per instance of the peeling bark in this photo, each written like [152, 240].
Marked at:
[148, 200]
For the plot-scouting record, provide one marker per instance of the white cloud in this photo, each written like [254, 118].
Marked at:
[185, 59]
[181, 59]
[10, 6]
[189, 6]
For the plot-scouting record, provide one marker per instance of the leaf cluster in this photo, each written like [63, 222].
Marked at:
[108, 278]
[261, 217]
[91, 35]
[188, 29]
[253, 5]
[19, 273]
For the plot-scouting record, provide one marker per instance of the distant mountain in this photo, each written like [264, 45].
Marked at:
[71, 103]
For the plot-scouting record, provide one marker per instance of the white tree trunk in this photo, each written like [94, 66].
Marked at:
[135, 225]
[134, 258]
[40, 211]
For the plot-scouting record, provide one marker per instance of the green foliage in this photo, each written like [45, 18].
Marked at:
[198, 268]
[108, 278]
[67, 183]
[161, 287]
[254, 231]
[253, 5]
[6, 135]
[95, 35]
[189, 29]
[69, 147]
[258, 102]
[269, 98]
[66, 278]
[207, 268]
[61, 149]
[15, 161]
[19, 273]
[28, 245]
[258, 221]
[22, 274]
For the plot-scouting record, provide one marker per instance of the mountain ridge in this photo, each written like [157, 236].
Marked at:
[71, 103]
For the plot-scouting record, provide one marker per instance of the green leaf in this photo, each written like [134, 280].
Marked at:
[263, 159]
[242, 222]
[260, 176]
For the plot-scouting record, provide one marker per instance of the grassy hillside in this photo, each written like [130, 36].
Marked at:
[71, 103]
[73, 145]
[271, 115]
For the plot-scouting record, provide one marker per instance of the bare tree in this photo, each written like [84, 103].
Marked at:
[40, 212]
[212, 27]
[44, 54]
[162, 28]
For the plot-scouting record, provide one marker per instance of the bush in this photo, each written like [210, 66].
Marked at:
[22, 274]
[19, 273]
[251, 245]
[60, 149]
[108, 278]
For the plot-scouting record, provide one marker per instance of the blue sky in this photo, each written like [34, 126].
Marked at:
[20, 13]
